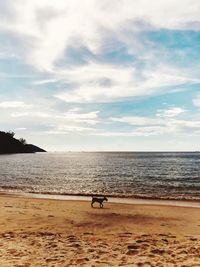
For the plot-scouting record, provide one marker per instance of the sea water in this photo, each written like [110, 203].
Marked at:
[129, 174]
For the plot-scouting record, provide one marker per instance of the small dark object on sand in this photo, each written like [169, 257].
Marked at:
[100, 200]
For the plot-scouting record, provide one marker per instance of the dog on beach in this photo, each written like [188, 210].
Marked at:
[99, 200]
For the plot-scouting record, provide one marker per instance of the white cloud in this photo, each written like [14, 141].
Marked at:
[52, 122]
[14, 104]
[170, 112]
[30, 114]
[182, 127]
[140, 131]
[196, 101]
[46, 29]
[20, 129]
[138, 120]
[107, 83]
[71, 116]
[166, 123]
[63, 130]
[185, 124]
[48, 22]
[162, 117]
[75, 109]
[44, 81]
[90, 117]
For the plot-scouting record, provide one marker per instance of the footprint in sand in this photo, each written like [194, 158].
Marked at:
[144, 264]
[158, 251]
[91, 250]
[8, 235]
[53, 245]
[193, 239]
[163, 235]
[71, 237]
[165, 240]
[171, 236]
[124, 235]
[23, 265]
[183, 252]
[104, 245]
[82, 260]
[132, 249]
[142, 241]
[87, 233]
[51, 259]
[132, 246]
[76, 245]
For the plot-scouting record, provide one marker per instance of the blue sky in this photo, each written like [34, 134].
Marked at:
[101, 75]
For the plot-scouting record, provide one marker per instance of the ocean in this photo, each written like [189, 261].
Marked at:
[160, 175]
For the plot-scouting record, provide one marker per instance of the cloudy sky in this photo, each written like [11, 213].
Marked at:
[101, 75]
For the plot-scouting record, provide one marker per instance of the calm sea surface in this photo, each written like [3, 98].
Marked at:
[161, 175]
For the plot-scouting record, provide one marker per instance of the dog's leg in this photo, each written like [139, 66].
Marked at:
[92, 204]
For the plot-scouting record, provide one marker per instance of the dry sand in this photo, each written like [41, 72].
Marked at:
[41, 232]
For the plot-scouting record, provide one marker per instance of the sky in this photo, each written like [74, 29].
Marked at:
[90, 75]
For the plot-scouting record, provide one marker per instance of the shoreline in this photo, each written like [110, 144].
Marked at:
[118, 200]
[17, 191]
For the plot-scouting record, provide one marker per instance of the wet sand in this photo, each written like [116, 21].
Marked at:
[43, 232]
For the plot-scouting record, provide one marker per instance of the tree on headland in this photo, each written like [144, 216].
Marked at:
[10, 133]
[23, 141]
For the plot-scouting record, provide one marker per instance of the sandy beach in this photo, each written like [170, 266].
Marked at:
[43, 232]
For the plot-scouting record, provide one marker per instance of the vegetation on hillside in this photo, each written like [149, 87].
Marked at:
[9, 144]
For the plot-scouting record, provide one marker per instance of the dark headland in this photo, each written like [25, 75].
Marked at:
[10, 145]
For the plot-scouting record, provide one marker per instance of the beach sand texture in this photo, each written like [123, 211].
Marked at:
[41, 232]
